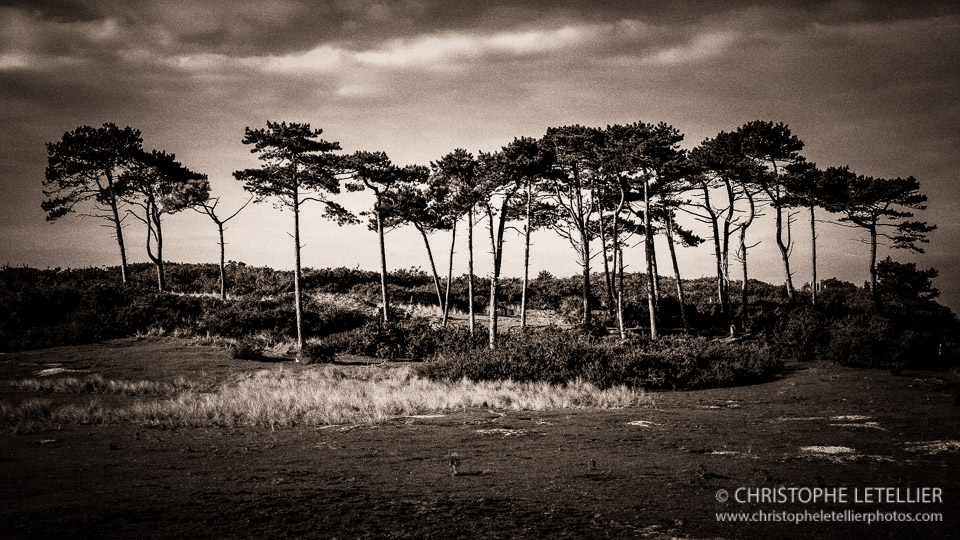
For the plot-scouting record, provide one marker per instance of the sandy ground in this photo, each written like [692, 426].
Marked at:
[631, 473]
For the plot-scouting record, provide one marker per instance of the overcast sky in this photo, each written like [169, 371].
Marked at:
[872, 85]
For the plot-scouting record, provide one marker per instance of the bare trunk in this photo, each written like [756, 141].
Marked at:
[433, 267]
[472, 315]
[743, 253]
[497, 244]
[618, 263]
[873, 264]
[585, 255]
[676, 273]
[446, 298]
[619, 270]
[118, 226]
[656, 273]
[297, 293]
[725, 247]
[526, 259]
[722, 293]
[648, 241]
[492, 304]
[611, 306]
[152, 219]
[785, 255]
[161, 275]
[223, 264]
[384, 296]
[813, 252]
[784, 246]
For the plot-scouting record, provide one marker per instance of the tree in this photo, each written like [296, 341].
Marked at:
[882, 206]
[209, 207]
[804, 183]
[502, 175]
[774, 145]
[375, 171]
[673, 182]
[298, 167]
[455, 174]
[84, 166]
[529, 163]
[159, 185]
[571, 192]
[653, 150]
[903, 281]
[413, 202]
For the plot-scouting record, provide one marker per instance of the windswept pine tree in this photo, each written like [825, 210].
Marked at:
[571, 190]
[774, 147]
[881, 206]
[298, 167]
[160, 185]
[375, 172]
[84, 168]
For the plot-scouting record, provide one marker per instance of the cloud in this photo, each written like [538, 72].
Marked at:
[431, 50]
[703, 46]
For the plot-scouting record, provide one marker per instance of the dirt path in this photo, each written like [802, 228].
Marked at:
[647, 473]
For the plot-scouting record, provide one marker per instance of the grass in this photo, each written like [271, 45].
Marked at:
[96, 384]
[325, 396]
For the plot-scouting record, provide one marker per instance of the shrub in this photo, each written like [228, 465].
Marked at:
[554, 355]
[316, 352]
[411, 338]
[247, 348]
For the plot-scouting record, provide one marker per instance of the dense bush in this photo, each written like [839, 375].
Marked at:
[247, 348]
[554, 355]
[410, 338]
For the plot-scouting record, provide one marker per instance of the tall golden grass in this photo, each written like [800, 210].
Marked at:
[327, 396]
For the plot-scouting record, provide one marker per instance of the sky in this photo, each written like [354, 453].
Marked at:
[870, 85]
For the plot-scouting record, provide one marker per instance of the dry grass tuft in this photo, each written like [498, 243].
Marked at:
[96, 384]
[330, 396]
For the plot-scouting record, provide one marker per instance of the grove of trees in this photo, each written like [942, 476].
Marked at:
[601, 189]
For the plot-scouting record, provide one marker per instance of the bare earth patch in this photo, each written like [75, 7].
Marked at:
[520, 470]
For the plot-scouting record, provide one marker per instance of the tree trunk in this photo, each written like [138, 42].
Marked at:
[585, 289]
[152, 219]
[722, 295]
[785, 255]
[118, 226]
[873, 264]
[743, 253]
[784, 247]
[648, 244]
[223, 265]
[656, 273]
[526, 259]
[446, 298]
[161, 275]
[297, 293]
[620, 325]
[618, 263]
[497, 244]
[433, 267]
[813, 252]
[492, 305]
[472, 315]
[676, 272]
[611, 306]
[725, 239]
[384, 295]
